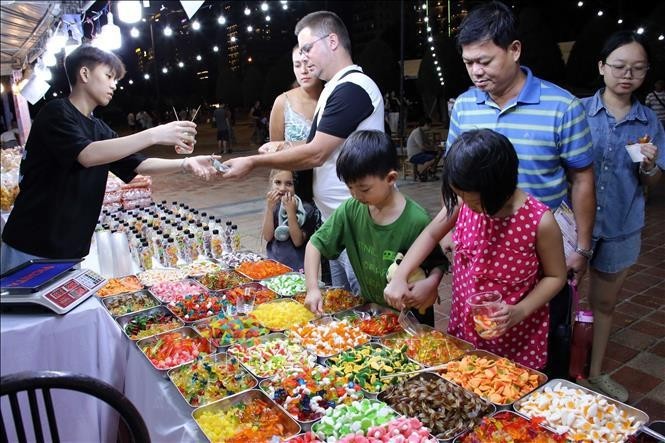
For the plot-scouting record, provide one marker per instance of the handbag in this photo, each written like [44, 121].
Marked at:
[560, 333]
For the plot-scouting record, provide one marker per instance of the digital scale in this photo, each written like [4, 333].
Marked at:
[54, 284]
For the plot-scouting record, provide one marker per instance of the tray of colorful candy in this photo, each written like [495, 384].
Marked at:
[355, 418]
[282, 314]
[445, 408]
[400, 429]
[334, 299]
[201, 267]
[262, 269]
[249, 416]
[169, 291]
[151, 277]
[367, 365]
[260, 293]
[430, 347]
[223, 331]
[218, 281]
[286, 285]
[271, 355]
[306, 393]
[328, 336]
[496, 379]
[147, 323]
[174, 348]
[195, 307]
[508, 426]
[210, 378]
[230, 260]
[373, 319]
[120, 285]
[130, 302]
[581, 413]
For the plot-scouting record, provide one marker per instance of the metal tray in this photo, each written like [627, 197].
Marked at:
[123, 320]
[287, 270]
[266, 282]
[464, 345]
[291, 427]
[459, 438]
[144, 293]
[186, 331]
[126, 277]
[221, 357]
[209, 298]
[233, 259]
[325, 290]
[192, 281]
[489, 407]
[253, 286]
[371, 309]
[176, 274]
[638, 415]
[374, 401]
[200, 325]
[236, 280]
[282, 300]
[191, 273]
[323, 321]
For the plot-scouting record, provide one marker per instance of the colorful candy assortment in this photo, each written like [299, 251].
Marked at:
[175, 348]
[375, 324]
[506, 426]
[128, 303]
[196, 307]
[367, 364]
[496, 379]
[210, 378]
[306, 394]
[151, 323]
[307, 437]
[428, 348]
[222, 280]
[169, 291]
[151, 277]
[224, 331]
[400, 429]
[274, 356]
[258, 270]
[233, 259]
[279, 315]
[115, 286]
[329, 337]
[261, 293]
[334, 299]
[286, 285]
[357, 417]
[200, 267]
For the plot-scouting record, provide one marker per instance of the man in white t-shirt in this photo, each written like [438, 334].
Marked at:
[349, 101]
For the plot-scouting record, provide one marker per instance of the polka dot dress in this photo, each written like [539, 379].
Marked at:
[499, 254]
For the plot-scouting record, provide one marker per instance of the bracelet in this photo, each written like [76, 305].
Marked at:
[182, 165]
[586, 253]
[650, 173]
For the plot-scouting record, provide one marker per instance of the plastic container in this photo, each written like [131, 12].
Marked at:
[580, 349]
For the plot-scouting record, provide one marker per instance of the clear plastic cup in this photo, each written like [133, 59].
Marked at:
[245, 302]
[482, 305]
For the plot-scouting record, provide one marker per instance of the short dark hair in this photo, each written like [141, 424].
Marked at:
[489, 21]
[621, 38]
[91, 57]
[366, 153]
[480, 161]
[325, 22]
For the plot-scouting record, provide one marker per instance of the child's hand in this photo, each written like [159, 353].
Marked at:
[289, 202]
[272, 199]
[506, 316]
[395, 292]
[423, 293]
[314, 301]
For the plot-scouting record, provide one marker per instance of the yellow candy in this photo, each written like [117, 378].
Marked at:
[282, 315]
[218, 425]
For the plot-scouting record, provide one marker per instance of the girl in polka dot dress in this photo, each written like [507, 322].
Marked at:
[506, 241]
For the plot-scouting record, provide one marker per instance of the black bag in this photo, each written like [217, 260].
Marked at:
[560, 334]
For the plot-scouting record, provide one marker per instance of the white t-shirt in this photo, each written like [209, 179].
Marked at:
[347, 103]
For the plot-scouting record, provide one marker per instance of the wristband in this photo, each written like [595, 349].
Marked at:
[650, 173]
[586, 253]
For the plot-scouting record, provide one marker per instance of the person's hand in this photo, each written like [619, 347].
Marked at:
[179, 133]
[423, 293]
[506, 316]
[395, 292]
[238, 167]
[272, 198]
[448, 246]
[650, 151]
[200, 166]
[576, 265]
[271, 147]
[289, 202]
[314, 301]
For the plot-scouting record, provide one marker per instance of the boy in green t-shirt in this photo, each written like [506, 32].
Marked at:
[373, 226]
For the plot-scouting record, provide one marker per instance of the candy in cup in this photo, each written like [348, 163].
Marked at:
[408, 322]
[482, 306]
[245, 302]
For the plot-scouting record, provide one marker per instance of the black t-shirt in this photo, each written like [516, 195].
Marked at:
[56, 211]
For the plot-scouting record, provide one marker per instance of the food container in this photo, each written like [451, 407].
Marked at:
[199, 268]
[328, 336]
[210, 378]
[271, 355]
[254, 406]
[326, 389]
[196, 307]
[366, 364]
[169, 291]
[231, 260]
[282, 314]
[500, 381]
[625, 419]
[445, 408]
[356, 417]
[120, 285]
[507, 420]
[373, 319]
[224, 331]
[147, 323]
[128, 303]
[191, 345]
[221, 280]
[286, 285]
[334, 299]
[261, 293]
[262, 269]
[151, 277]
[430, 347]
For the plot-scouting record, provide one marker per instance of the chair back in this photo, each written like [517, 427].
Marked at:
[33, 381]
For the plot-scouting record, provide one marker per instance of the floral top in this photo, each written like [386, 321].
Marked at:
[296, 125]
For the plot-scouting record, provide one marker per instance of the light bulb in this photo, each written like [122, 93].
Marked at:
[221, 20]
[165, 70]
[264, 6]
[110, 37]
[215, 48]
[198, 58]
[129, 11]
[181, 65]
[134, 32]
[247, 11]
[250, 28]
[196, 25]
[168, 31]
[146, 76]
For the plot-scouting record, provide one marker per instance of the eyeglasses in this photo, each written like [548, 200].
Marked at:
[304, 50]
[620, 71]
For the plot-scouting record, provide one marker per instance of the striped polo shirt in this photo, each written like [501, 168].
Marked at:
[546, 124]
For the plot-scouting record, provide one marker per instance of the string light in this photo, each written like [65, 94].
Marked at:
[199, 58]
[221, 20]
[134, 32]
[580, 4]
[165, 70]
[168, 32]
[264, 6]
[620, 21]
[215, 48]
[267, 18]
[600, 13]
[247, 11]
[640, 30]
[249, 28]
[131, 82]
[146, 76]
[196, 25]
[181, 64]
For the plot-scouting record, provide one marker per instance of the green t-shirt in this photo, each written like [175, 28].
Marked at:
[371, 247]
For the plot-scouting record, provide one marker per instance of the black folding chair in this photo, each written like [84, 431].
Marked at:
[31, 382]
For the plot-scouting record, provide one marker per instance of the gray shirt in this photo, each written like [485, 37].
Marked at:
[220, 119]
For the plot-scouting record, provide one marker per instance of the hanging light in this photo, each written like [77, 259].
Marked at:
[221, 20]
[165, 70]
[134, 32]
[285, 6]
[110, 37]
[264, 6]
[580, 4]
[620, 21]
[600, 13]
[56, 43]
[430, 39]
[146, 76]
[129, 11]
[181, 65]
[198, 58]
[661, 37]
[131, 82]
[168, 32]
[249, 28]
[247, 11]
[215, 48]
[49, 59]
[267, 18]
[640, 30]
[42, 72]
[196, 25]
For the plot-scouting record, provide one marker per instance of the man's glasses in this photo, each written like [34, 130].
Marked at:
[304, 50]
[620, 71]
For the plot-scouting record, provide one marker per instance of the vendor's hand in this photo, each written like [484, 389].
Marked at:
[271, 147]
[423, 293]
[506, 316]
[314, 301]
[289, 202]
[272, 198]
[395, 292]
[576, 265]
[200, 166]
[650, 152]
[179, 133]
[238, 167]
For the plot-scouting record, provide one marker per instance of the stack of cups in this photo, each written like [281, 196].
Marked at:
[122, 259]
[104, 253]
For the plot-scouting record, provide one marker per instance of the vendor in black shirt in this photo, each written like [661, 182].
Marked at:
[67, 159]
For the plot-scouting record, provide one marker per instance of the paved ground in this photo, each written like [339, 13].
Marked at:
[636, 352]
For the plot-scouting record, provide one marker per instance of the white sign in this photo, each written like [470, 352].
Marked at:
[191, 6]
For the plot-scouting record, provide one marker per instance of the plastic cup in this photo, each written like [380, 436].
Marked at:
[482, 305]
[635, 152]
[245, 302]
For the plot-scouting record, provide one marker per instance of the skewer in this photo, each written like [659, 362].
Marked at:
[196, 112]
[175, 113]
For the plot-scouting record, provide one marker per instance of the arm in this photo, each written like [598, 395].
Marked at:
[277, 119]
[583, 198]
[647, 166]
[314, 300]
[424, 292]
[178, 133]
[549, 247]
[201, 166]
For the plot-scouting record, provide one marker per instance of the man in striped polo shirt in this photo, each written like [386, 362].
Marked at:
[546, 124]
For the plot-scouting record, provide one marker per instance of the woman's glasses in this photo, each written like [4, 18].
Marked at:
[620, 71]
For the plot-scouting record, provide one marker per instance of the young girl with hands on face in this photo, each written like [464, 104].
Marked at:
[288, 221]
[506, 241]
